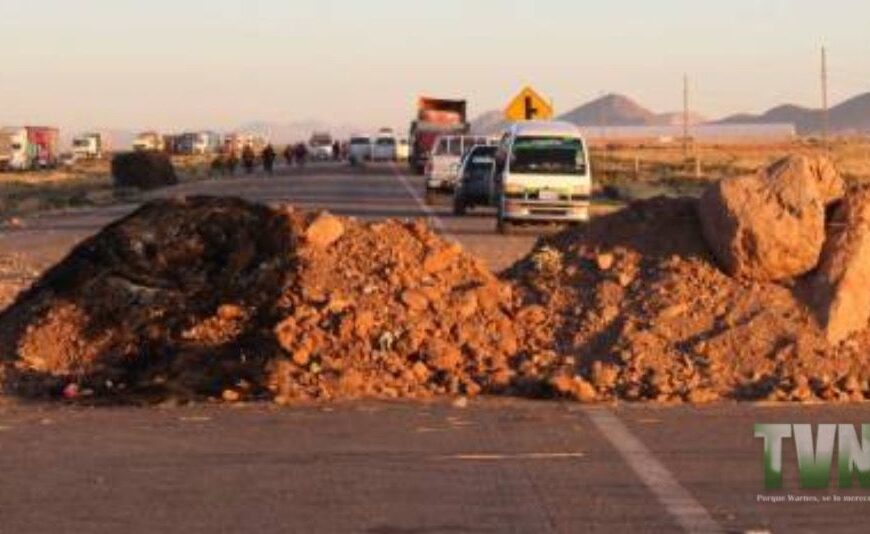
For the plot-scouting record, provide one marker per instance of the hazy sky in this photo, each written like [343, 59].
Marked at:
[217, 63]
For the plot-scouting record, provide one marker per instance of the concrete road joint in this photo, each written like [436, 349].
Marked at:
[676, 499]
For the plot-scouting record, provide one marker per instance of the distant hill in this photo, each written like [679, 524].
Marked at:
[853, 115]
[489, 123]
[610, 110]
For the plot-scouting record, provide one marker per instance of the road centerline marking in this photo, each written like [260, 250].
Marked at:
[430, 213]
[676, 499]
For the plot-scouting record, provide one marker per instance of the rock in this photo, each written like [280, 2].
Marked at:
[771, 226]
[414, 300]
[605, 261]
[443, 356]
[143, 170]
[231, 395]
[841, 287]
[439, 260]
[324, 231]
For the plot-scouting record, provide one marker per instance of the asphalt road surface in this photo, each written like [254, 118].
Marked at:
[495, 465]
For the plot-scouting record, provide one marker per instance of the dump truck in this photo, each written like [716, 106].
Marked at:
[436, 117]
[29, 147]
[89, 146]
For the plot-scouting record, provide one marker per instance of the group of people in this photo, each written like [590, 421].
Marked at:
[227, 162]
[294, 154]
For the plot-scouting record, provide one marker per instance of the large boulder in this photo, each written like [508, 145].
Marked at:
[841, 287]
[143, 170]
[771, 225]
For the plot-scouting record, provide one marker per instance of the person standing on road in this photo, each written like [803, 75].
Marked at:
[218, 166]
[232, 162]
[288, 155]
[336, 151]
[249, 159]
[269, 159]
[301, 154]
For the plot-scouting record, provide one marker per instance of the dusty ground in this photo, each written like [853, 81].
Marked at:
[644, 169]
[86, 183]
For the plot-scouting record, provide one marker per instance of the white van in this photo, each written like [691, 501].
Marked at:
[442, 170]
[359, 149]
[543, 174]
[384, 147]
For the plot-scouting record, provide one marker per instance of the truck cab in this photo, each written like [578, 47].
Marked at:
[87, 146]
[543, 174]
[13, 149]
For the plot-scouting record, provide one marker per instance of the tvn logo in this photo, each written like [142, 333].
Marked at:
[815, 457]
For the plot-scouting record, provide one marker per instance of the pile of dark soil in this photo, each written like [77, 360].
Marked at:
[143, 170]
[218, 297]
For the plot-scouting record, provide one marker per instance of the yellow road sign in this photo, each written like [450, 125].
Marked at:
[527, 106]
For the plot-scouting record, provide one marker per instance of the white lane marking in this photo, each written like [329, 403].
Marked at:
[525, 456]
[687, 511]
[679, 503]
[431, 213]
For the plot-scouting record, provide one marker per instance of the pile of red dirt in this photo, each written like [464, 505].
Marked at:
[638, 310]
[219, 297]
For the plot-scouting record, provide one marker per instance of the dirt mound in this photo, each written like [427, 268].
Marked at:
[210, 297]
[143, 170]
[638, 310]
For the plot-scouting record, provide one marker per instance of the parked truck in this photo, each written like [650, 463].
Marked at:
[89, 146]
[29, 147]
[435, 117]
[148, 141]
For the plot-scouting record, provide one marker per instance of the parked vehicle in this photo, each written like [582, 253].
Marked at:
[194, 143]
[89, 146]
[384, 147]
[542, 174]
[435, 118]
[442, 170]
[236, 142]
[206, 143]
[29, 147]
[147, 141]
[320, 146]
[476, 185]
[403, 149]
[359, 149]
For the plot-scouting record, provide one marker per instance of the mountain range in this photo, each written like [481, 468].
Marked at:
[851, 116]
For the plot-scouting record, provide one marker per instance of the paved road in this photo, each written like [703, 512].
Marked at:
[494, 466]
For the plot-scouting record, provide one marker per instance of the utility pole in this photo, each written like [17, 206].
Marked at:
[602, 116]
[826, 119]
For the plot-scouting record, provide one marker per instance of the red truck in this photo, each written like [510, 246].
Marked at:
[435, 117]
[29, 147]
